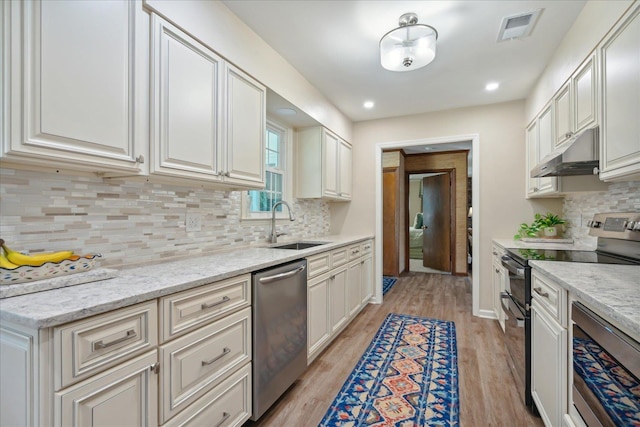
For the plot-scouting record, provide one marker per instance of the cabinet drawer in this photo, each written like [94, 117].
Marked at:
[366, 247]
[195, 363]
[89, 346]
[551, 297]
[228, 404]
[185, 311]
[339, 257]
[318, 264]
[354, 252]
[124, 395]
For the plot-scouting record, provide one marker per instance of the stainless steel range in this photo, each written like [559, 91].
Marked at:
[618, 243]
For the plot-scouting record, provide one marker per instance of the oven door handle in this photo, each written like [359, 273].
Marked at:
[518, 314]
[513, 266]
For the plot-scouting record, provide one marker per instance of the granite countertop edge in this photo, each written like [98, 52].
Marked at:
[139, 284]
[610, 290]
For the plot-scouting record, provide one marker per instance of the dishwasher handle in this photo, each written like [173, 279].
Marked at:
[285, 275]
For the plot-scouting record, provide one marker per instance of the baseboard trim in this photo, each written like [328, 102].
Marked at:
[487, 314]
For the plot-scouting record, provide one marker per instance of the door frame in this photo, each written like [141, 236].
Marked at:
[475, 203]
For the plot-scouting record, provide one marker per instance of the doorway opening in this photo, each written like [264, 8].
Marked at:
[421, 146]
[430, 204]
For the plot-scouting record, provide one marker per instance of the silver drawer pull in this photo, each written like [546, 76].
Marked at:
[225, 416]
[99, 345]
[542, 294]
[213, 304]
[226, 351]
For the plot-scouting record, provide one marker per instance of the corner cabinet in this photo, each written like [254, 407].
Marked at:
[76, 84]
[208, 117]
[324, 163]
[620, 140]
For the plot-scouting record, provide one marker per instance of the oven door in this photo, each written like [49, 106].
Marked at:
[516, 286]
[514, 338]
[606, 367]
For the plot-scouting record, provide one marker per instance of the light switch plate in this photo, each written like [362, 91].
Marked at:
[193, 222]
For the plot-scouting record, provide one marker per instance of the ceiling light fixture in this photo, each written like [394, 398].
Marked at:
[408, 47]
[492, 86]
[368, 104]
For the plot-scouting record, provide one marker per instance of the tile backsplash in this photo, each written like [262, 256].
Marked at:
[579, 208]
[132, 222]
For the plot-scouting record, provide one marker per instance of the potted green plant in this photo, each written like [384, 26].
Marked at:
[527, 230]
[549, 223]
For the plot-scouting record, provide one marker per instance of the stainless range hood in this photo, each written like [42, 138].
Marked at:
[578, 156]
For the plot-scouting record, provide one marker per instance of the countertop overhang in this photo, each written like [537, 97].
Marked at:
[139, 284]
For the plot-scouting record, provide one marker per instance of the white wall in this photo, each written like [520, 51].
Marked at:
[501, 174]
[216, 26]
[593, 23]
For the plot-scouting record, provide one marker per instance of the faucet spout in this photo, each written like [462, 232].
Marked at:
[273, 236]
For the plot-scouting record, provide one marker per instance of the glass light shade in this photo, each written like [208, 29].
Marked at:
[408, 47]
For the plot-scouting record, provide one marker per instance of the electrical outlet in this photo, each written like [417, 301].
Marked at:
[193, 222]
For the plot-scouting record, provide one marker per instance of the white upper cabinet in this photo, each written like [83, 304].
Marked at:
[563, 112]
[245, 130]
[585, 95]
[209, 117]
[540, 143]
[187, 80]
[620, 135]
[324, 165]
[77, 91]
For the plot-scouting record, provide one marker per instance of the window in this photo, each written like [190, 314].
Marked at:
[258, 203]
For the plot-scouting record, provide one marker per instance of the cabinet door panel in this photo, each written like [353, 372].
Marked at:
[75, 83]
[330, 165]
[564, 119]
[123, 396]
[345, 170]
[546, 185]
[584, 86]
[620, 148]
[338, 296]
[549, 360]
[186, 97]
[246, 122]
[353, 287]
[366, 289]
[318, 315]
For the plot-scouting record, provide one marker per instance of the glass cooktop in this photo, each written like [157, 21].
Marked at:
[524, 255]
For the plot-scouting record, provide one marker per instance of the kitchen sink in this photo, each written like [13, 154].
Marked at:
[298, 245]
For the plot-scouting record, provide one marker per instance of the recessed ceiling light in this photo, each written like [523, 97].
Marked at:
[492, 86]
[368, 105]
[286, 111]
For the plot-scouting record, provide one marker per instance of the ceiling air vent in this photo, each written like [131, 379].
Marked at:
[518, 26]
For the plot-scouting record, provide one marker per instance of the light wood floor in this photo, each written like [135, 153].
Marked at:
[488, 394]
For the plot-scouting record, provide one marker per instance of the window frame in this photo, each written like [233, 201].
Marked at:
[287, 181]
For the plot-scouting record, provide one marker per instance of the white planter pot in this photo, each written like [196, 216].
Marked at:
[550, 232]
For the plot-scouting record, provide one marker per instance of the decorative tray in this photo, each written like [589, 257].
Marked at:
[27, 273]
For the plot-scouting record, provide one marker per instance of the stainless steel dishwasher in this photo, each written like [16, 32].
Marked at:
[279, 331]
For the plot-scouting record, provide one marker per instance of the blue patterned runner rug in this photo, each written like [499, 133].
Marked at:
[387, 283]
[407, 377]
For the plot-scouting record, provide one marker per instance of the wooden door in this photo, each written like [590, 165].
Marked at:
[437, 220]
[389, 236]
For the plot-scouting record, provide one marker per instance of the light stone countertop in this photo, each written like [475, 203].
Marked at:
[134, 285]
[611, 290]
[518, 244]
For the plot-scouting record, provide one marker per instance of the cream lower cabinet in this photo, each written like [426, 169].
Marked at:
[549, 353]
[77, 84]
[109, 369]
[339, 286]
[620, 81]
[499, 277]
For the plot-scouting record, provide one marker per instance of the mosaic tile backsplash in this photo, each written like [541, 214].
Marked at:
[579, 208]
[132, 222]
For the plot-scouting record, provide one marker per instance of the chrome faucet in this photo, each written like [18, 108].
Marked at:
[273, 238]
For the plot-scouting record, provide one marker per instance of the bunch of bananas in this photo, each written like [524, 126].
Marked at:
[11, 259]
